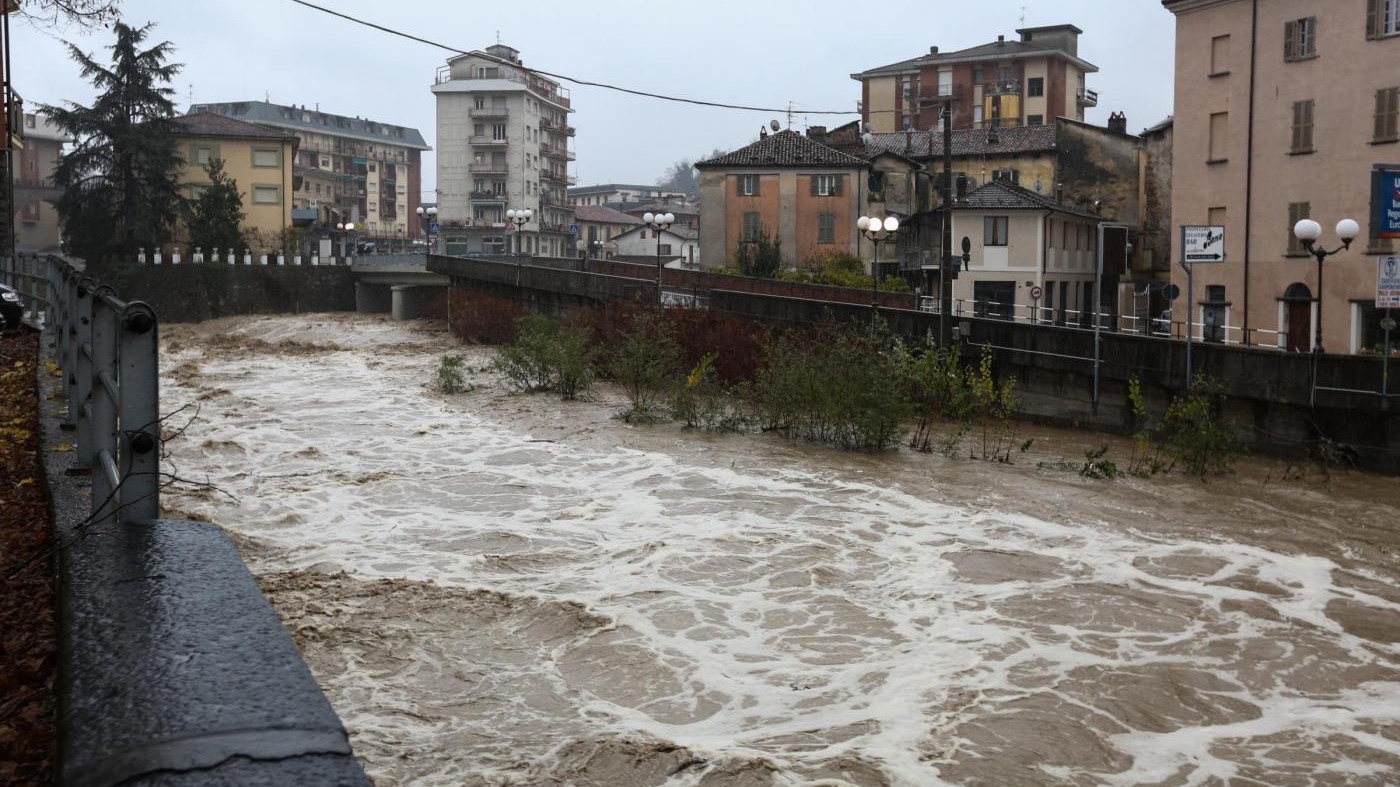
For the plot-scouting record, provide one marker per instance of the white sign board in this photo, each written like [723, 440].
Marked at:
[1388, 283]
[1202, 244]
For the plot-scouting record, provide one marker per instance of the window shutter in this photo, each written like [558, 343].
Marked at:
[836, 187]
[1290, 38]
[1382, 106]
[1297, 143]
[755, 182]
[1392, 123]
[1307, 125]
[813, 181]
[1373, 8]
[739, 185]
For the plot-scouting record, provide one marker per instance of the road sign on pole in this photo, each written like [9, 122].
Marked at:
[1202, 244]
[434, 228]
[573, 229]
[1388, 283]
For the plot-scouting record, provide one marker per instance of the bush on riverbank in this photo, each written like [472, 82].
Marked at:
[547, 357]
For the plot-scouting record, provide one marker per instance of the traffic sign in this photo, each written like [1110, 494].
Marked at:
[1173, 292]
[434, 228]
[573, 228]
[1388, 283]
[1036, 292]
[1202, 244]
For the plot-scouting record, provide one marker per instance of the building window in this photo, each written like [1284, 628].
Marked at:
[1010, 175]
[203, 156]
[826, 185]
[1297, 211]
[1220, 55]
[270, 157]
[826, 228]
[267, 195]
[751, 227]
[1219, 130]
[1300, 39]
[994, 230]
[663, 249]
[1387, 109]
[1035, 87]
[1302, 127]
[748, 185]
[498, 131]
[1035, 120]
[976, 75]
[1382, 18]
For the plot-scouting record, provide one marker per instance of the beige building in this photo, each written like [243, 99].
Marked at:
[258, 158]
[598, 225]
[36, 219]
[1283, 109]
[1025, 82]
[503, 137]
[347, 169]
[1021, 240]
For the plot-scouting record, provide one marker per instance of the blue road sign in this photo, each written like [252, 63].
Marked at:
[434, 228]
[1385, 202]
[573, 228]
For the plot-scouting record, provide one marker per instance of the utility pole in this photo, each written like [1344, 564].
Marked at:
[945, 277]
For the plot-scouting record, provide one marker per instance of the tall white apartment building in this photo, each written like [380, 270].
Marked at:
[503, 143]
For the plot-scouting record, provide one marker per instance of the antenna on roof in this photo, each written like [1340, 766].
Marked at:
[1023, 16]
[498, 36]
[789, 125]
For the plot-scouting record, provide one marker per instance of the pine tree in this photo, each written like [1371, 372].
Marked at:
[216, 215]
[119, 180]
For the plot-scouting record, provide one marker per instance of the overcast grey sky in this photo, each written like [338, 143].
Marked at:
[752, 52]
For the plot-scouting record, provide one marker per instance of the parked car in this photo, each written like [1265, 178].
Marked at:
[11, 308]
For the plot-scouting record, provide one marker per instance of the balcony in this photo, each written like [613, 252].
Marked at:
[551, 201]
[486, 196]
[936, 94]
[489, 112]
[557, 177]
[14, 119]
[489, 142]
[556, 151]
[489, 167]
[1008, 88]
[1087, 97]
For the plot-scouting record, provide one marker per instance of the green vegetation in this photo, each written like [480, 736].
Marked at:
[840, 269]
[701, 401]
[760, 258]
[215, 216]
[643, 362]
[1195, 435]
[450, 376]
[547, 357]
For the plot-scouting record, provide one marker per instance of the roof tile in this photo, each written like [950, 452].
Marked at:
[786, 148]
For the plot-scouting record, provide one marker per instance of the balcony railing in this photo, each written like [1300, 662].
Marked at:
[489, 112]
[554, 150]
[484, 141]
[1087, 97]
[487, 166]
[1008, 88]
[15, 118]
[486, 196]
[933, 94]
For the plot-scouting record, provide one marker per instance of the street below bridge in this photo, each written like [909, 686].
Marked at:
[499, 589]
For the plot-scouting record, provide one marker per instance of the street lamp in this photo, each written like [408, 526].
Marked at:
[877, 232]
[519, 218]
[345, 230]
[426, 217]
[1307, 232]
[658, 222]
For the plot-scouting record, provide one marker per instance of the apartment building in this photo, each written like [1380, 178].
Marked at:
[619, 193]
[1026, 82]
[36, 220]
[347, 169]
[503, 136]
[1284, 111]
[260, 159]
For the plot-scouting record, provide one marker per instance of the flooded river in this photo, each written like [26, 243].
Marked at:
[498, 589]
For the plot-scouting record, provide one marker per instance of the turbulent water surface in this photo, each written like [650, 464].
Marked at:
[512, 590]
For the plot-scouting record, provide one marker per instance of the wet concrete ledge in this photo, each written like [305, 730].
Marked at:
[173, 669]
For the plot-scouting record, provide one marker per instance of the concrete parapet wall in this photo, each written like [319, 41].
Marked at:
[192, 293]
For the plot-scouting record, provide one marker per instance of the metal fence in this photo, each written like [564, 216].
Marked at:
[108, 353]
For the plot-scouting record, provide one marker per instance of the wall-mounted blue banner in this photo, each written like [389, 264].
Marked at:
[1385, 201]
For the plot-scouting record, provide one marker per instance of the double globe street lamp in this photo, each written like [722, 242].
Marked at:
[345, 231]
[876, 231]
[427, 216]
[1307, 232]
[658, 222]
[518, 219]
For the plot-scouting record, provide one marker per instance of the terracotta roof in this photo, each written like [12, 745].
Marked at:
[786, 148]
[996, 50]
[1005, 195]
[207, 124]
[603, 215]
[967, 142]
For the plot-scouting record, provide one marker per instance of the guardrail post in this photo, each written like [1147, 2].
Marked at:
[103, 410]
[70, 346]
[84, 372]
[138, 413]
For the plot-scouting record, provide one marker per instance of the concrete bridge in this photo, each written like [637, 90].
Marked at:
[399, 284]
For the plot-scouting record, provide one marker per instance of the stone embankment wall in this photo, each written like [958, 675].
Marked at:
[205, 291]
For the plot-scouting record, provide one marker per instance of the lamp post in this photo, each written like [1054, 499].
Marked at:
[877, 232]
[658, 222]
[519, 218]
[345, 230]
[427, 216]
[1307, 232]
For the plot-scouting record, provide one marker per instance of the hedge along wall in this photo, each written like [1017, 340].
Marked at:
[193, 293]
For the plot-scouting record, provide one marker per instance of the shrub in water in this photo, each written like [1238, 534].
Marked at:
[450, 377]
[1193, 433]
[642, 362]
[528, 364]
[701, 401]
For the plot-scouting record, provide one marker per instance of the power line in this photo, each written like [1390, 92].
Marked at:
[574, 80]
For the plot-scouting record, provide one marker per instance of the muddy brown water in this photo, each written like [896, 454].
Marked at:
[511, 590]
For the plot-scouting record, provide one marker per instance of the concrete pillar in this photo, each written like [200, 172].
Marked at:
[155, 258]
[141, 255]
[175, 256]
[247, 256]
[409, 300]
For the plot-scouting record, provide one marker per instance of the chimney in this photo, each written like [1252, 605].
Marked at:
[933, 50]
[814, 132]
[1001, 39]
[1118, 123]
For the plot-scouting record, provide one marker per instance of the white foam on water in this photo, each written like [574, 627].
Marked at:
[746, 601]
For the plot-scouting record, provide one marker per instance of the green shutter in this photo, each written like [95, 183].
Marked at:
[738, 185]
[1373, 27]
[836, 187]
[812, 181]
[1290, 39]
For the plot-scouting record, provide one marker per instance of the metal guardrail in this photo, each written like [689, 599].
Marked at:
[108, 350]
